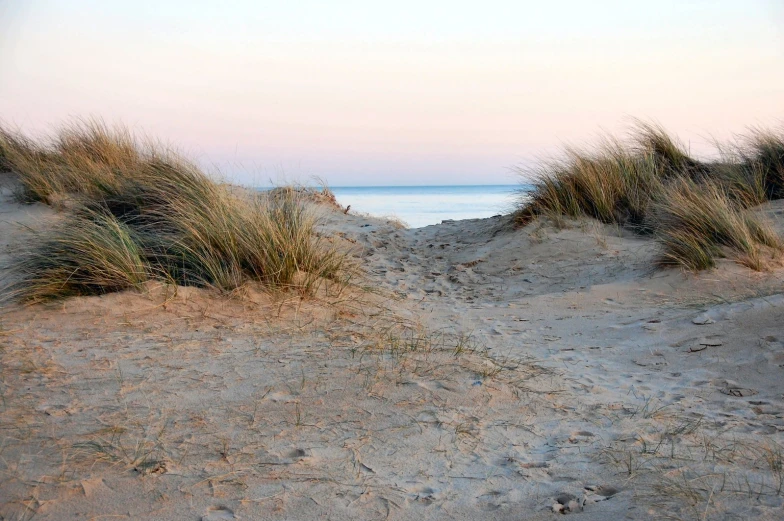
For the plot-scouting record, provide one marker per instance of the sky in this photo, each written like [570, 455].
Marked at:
[391, 93]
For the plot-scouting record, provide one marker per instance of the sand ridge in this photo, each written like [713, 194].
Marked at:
[484, 371]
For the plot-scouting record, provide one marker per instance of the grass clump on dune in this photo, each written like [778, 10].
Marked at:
[137, 211]
[763, 159]
[696, 221]
[697, 210]
[610, 185]
[86, 254]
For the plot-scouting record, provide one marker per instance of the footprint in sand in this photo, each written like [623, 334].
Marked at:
[218, 513]
[568, 504]
[600, 492]
[296, 455]
[423, 494]
[580, 437]
[739, 392]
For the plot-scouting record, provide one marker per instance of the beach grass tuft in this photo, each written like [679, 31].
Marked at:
[697, 210]
[698, 222]
[766, 155]
[87, 253]
[136, 210]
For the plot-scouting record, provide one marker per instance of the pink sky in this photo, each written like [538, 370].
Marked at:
[358, 94]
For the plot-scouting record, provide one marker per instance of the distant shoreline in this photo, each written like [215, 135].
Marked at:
[423, 205]
[380, 187]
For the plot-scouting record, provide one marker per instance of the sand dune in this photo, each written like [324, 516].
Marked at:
[479, 371]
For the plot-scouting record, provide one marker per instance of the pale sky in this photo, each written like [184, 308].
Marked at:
[391, 93]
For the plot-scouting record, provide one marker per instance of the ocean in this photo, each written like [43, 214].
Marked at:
[419, 206]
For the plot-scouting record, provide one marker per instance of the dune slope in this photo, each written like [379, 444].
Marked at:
[483, 371]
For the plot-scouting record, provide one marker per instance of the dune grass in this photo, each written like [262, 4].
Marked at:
[85, 254]
[611, 186]
[697, 220]
[697, 210]
[764, 157]
[137, 211]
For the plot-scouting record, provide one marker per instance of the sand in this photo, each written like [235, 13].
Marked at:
[477, 371]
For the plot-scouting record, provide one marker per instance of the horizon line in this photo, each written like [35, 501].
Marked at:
[406, 186]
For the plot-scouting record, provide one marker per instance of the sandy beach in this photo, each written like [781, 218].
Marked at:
[476, 371]
[392, 261]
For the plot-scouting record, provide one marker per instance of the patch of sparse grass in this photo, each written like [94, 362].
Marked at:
[392, 348]
[137, 210]
[396, 222]
[145, 453]
[692, 469]
[696, 209]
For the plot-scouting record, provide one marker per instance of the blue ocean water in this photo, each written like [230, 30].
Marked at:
[419, 206]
